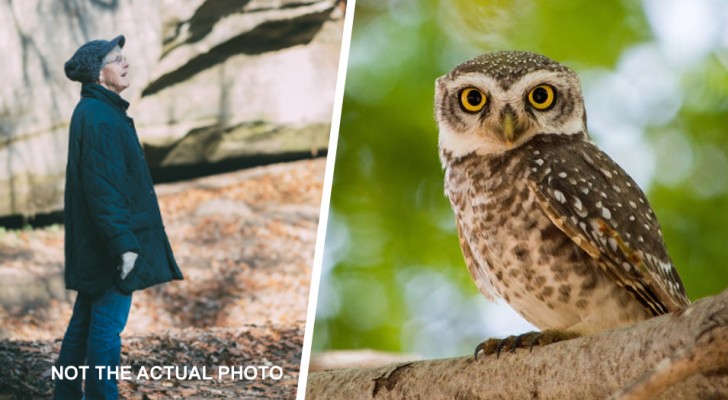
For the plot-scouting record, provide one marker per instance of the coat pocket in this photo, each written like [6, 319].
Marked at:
[136, 277]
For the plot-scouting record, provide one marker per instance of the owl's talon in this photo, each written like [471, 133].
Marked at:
[550, 336]
[527, 340]
[478, 349]
[504, 343]
[488, 347]
[517, 342]
[532, 343]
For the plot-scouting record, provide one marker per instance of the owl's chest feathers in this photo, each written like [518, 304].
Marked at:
[491, 198]
[510, 235]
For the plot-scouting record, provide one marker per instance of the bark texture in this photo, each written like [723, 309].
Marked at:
[678, 356]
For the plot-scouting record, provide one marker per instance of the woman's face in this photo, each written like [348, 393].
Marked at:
[114, 72]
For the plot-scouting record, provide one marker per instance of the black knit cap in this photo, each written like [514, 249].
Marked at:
[86, 63]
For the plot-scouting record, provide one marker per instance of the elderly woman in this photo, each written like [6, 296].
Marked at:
[115, 241]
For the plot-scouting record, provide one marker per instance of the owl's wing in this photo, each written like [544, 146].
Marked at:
[591, 199]
[481, 278]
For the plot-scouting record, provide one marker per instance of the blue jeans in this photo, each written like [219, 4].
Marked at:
[92, 339]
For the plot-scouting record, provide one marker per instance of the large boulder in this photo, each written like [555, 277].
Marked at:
[212, 80]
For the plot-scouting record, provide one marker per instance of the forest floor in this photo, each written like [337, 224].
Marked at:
[245, 242]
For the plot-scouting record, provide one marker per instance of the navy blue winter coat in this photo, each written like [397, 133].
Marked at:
[110, 203]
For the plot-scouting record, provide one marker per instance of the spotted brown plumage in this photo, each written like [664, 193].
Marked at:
[546, 220]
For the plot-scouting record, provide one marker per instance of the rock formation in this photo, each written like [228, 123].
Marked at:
[212, 80]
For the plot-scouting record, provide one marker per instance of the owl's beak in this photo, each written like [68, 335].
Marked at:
[510, 126]
[508, 123]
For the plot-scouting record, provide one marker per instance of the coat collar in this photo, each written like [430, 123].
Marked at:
[96, 91]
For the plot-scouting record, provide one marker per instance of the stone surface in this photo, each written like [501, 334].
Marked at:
[212, 80]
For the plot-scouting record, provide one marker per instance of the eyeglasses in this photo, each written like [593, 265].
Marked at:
[118, 60]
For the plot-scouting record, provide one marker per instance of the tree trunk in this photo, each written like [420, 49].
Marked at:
[678, 356]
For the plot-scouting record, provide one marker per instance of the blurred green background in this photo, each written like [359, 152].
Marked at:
[656, 89]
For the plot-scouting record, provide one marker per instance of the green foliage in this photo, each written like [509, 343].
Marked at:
[390, 222]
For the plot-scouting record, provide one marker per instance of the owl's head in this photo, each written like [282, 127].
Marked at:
[498, 101]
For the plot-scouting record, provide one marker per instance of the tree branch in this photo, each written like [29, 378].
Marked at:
[678, 356]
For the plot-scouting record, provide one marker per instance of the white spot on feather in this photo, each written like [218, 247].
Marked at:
[612, 243]
[559, 196]
[665, 266]
[606, 213]
[580, 210]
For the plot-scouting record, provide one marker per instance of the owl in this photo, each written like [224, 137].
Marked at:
[546, 220]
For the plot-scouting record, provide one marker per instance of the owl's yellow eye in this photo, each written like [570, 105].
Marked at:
[472, 99]
[541, 97]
